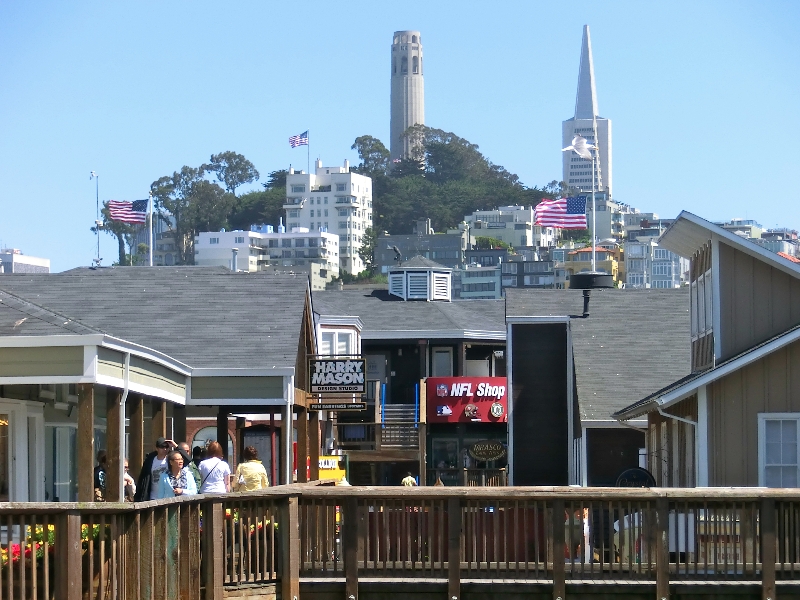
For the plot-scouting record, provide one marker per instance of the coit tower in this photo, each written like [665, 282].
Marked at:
[408, 90]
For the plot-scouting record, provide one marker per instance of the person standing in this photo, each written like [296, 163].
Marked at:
[177, 481]
[215, 473]
[192, 463]
[409, 480]
[154, 466]
[250, 474]
[130, 484]
[100, 477]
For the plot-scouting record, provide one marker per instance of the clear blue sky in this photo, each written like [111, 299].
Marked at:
[703, 97]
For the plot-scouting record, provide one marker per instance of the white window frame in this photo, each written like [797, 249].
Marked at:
[352, 344]
[762, 450]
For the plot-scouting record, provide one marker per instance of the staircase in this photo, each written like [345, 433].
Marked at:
[399, 428]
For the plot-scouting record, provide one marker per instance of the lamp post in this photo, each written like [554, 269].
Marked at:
[96, 178]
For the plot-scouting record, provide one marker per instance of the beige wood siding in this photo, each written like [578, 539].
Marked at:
[671, 445]
[143, 372]
[246, 388]
[55, 361]
[757, 301]
[771, 384]
[110, 363]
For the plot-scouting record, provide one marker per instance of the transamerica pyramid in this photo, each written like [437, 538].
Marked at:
[577, 172]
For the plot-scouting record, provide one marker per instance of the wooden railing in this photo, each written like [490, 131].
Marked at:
[468, 477]
[371, 436]
[195, 547]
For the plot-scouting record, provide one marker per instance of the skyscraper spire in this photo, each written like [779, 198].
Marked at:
[586, 98]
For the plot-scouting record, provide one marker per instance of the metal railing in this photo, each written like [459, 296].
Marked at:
[370, 436]
[468, 477]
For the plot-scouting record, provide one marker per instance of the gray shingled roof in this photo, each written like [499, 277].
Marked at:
[381, 312]
[206, 317]
[19, 317]
[420, 262]
[634, 342]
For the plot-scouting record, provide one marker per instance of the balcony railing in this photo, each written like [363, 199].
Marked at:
[215, 546]
[372, 436]
[468, 477]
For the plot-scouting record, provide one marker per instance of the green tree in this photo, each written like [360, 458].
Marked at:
[373, 154]
[367, 250]
[263, 206]
[172, 197]
[489, 243]
[231, 169]
[210, 206]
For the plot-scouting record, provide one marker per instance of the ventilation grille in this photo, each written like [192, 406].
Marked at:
[418, 286]
[441, 286]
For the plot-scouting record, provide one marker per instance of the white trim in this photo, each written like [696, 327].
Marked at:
[90, 362]
[613, 424]
[510, 401]
[235, 402]
[236, 372]
[29, 341]
[149, 354]
[539, 319]
[431, 334]
[732, 239]
[288, 441]
[762, 417]
[45, 379]
[715, 297]
[584, 458]
[146, 390]
[701, 437]
[339, 321]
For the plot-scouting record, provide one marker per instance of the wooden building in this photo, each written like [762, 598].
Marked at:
[85, 351]
[735, 420]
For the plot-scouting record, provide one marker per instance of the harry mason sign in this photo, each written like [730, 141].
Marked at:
[337, 375]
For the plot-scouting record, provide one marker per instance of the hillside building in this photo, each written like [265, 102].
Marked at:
[13, 260]
[512, 225]
[335, 200]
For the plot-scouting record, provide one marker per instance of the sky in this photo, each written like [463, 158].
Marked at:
[703, 97]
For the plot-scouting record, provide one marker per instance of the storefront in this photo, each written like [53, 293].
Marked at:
[467, 430]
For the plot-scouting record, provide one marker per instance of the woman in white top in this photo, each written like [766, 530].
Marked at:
[215, 474]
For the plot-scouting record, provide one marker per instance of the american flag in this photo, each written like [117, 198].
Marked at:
[564, 213]
[127, 211]
[299, 140]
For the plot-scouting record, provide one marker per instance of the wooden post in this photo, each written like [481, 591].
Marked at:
[273, 461]
[132, 557]
[662, 548]
[190, 553]
[68, 580]
[287, 438]
[160, 554]
[302, 444]
[289, 531]
[146, 554]
[241, 422]
[313, 444]
[454, 549]
[559, 572]
[222, 432]
[159, 423]
[136, 435]
[213, 553]
[115, 445]
[85, 454]
[767, 523]
[351, 530]
[179, 423]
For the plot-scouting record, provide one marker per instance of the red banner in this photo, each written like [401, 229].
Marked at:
[467, 399]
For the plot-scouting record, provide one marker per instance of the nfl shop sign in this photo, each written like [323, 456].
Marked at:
[337, 375]
[466, 399]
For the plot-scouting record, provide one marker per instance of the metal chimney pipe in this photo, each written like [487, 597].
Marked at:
[235, 260]
[586, 295]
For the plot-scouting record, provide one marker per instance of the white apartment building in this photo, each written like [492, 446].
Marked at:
[610, 217]
[512, 225]
[263, 249]
[648, 266]
[13, 260]
[332, 199]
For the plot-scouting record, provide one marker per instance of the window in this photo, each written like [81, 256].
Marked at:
[415, 65]
[286, 254]
[298, 189]
[213, 240]
[272, 243]
[239, 240]
[342, 224]
[634, 250]
[312, 213]
[342, 212]
[635, 279]
[442, 362]
[300, 243]
[404, 65]
[509, 282]
[312, 242]
[778, 450]
[326, 212]
[286, 243]
[509, 268]
[341, 187]
[661, 254]
[636, 264]
[335, 343]
[662, 269]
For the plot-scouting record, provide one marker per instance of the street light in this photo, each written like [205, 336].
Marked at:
[96, 177]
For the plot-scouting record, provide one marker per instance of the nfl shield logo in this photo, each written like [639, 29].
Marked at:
[441, 390]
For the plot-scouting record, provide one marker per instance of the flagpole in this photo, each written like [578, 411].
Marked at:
[594, 202]
[150, 228]
[308, 154]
